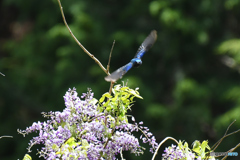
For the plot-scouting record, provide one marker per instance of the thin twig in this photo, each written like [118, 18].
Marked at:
[90, 120]
[224, 136]
[225, 157]
[83, 48]
[2, 74]
[108, 66]
[121, 155]
[144, 135]
[228, 135]
[155, 153]
[6, 137]
[113, 130]
[111, 86]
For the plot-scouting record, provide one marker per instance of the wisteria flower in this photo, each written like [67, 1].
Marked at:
[91, 129]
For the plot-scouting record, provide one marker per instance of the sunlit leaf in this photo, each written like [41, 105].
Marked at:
[27, 157]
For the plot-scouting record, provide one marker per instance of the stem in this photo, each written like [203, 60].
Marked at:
[83, 48]
[155, 153]
[111, 86]
[121, 155]
[145, 136]
[224, 136]
[6, 137]
[225, 157]
[116, 119]
[90, 120]
[110, 55]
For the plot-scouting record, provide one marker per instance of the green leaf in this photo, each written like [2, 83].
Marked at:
[85, 144]
[205, 145]
[196, 146]
[124, 88]
[27, 157]
[200, 148]
[104, 96]
[71, 141]
[55, 147]
[135, 93]
[93, 101]
[119, 103]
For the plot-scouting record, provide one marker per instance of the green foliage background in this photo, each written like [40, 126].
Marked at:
[189, 80]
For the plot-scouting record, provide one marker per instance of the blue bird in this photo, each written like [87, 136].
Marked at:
[137, 59]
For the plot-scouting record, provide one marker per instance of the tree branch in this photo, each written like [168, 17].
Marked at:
[225, 135]
[83, 48]
[2, 74]
[6, 137]
[231, 150]
[108, 66]
[155, 153]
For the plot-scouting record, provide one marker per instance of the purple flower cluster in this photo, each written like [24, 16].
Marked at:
[81, 131]
[174, 152]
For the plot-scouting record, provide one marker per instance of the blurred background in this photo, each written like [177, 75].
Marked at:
[189, 79]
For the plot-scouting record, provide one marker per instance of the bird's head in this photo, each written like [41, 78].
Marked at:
[136, 62]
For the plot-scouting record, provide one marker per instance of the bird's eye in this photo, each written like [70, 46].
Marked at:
[137, 63]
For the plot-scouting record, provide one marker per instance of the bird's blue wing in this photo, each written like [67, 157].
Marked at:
[147, 44]
[119, 73]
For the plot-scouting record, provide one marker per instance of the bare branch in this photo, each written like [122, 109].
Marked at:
[225, 157]
[155, 153]
[111, 86]
[225, 135]
[6, 137]
[2, 74]
[121, 155]
[83, 48]
[108, 66]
